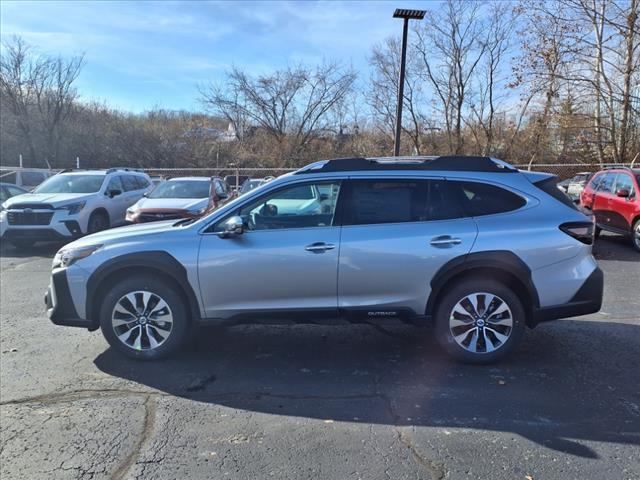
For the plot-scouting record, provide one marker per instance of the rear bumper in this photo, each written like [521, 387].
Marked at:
[588, 299]
[59, 304]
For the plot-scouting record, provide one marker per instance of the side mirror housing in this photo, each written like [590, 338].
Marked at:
[114, 193]
[623, 192]
[232, 227]
[145, 194]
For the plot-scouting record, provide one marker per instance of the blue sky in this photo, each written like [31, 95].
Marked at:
[141, 55]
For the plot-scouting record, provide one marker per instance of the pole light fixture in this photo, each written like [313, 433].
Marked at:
[406, 15]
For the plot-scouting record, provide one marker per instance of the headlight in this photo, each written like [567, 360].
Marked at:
[66, 257]
[73, 208]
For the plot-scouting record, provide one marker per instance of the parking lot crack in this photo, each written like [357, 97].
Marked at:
[74, 395]
[436, 469]
[143, 439]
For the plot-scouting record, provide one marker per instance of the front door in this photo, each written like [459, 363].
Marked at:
[286, 259]
[396, 235]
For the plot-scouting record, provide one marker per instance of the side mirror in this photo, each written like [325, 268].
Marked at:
[623, 192]
[114, 193]
[145, 194]
[232, 227]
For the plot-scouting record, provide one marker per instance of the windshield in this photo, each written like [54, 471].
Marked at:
[182, 189]
[71, 184]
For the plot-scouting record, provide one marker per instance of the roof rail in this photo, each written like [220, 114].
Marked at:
[449, 162]
[124, 169]
[617, 167]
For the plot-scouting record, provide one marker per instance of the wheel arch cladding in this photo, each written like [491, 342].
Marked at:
[154, 262]
[501, 265]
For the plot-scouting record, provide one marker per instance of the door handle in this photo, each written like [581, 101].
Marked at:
[319, 247]
[445, 241]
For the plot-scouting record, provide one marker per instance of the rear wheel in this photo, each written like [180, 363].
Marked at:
[144, 317]
[98, 221]
[479, 321]
[635, 235]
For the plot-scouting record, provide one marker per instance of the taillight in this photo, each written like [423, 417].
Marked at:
[582, 231]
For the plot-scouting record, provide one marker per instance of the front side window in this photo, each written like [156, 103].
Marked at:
[72, 183]
[625, 182]
[300, 206]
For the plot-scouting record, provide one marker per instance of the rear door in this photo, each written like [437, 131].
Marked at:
[602, 203]
[396, 235]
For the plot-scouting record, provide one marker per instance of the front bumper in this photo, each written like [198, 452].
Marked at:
[59, 304]
[588, 299]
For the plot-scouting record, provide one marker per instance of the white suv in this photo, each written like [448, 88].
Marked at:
[71, 204]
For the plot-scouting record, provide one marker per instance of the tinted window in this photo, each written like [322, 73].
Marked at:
[141, 182]
[483, 199]
[293, 207]
[606, 184]
[595, 183]
[399, 201]
[129, 183]
[31, 179]
[221, 191]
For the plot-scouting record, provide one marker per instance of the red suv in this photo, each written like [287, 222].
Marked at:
[614, 197]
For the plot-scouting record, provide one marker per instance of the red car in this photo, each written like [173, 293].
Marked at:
[613, 195]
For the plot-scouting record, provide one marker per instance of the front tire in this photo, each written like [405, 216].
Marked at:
[479, 321]
[635, 235]
[98, 221]
[144, 317]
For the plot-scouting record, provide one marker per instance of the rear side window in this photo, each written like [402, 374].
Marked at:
[625, 182]
[399, 201]
[483, 199]
[595, 183]
[550, 187]
[141, 182]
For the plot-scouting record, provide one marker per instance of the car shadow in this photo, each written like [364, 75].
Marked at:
[567, 385]
[41, 250]
[609, 246]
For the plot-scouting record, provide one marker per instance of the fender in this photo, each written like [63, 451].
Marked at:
[157, 260]
[496, 259]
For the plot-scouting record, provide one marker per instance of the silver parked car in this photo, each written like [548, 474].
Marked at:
[470, 243]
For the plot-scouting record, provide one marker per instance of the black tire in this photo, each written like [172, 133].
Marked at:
[98, 221]
[22, 244]
[457, 293]
[635, 235]
[165, 290]
[596, 232]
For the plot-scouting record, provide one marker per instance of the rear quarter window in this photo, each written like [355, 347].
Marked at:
[480, 199]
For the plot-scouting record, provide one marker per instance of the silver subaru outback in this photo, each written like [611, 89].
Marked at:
[471, 244]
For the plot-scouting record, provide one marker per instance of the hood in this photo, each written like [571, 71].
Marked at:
[122, 233]
[55, 199]
[170, 204]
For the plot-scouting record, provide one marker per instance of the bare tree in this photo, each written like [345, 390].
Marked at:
[450, 46]
[385, 62]
[291, 106]
[38, 91]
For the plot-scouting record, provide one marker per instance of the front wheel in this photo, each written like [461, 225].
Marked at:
[98, 221]
[635, 235]
[479, 321]
[144, 317]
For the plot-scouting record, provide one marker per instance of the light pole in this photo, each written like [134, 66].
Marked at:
[406, 15]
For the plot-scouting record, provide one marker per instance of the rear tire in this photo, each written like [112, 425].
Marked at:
[98, 221]
[144, 317]
[479, 321]
[596, 232]
[635, 235]
[22, 244]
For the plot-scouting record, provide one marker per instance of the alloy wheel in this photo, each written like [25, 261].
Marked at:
[481, 322]
[636, 235]
[142, 320]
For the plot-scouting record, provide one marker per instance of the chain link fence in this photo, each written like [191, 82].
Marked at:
[236, 176]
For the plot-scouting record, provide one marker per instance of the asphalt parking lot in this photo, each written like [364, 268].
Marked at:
[318, 402]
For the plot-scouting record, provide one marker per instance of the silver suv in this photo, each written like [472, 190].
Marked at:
[469, 243]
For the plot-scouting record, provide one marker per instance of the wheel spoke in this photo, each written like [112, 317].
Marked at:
[488, 343]
[501, 337]
[142, 320]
